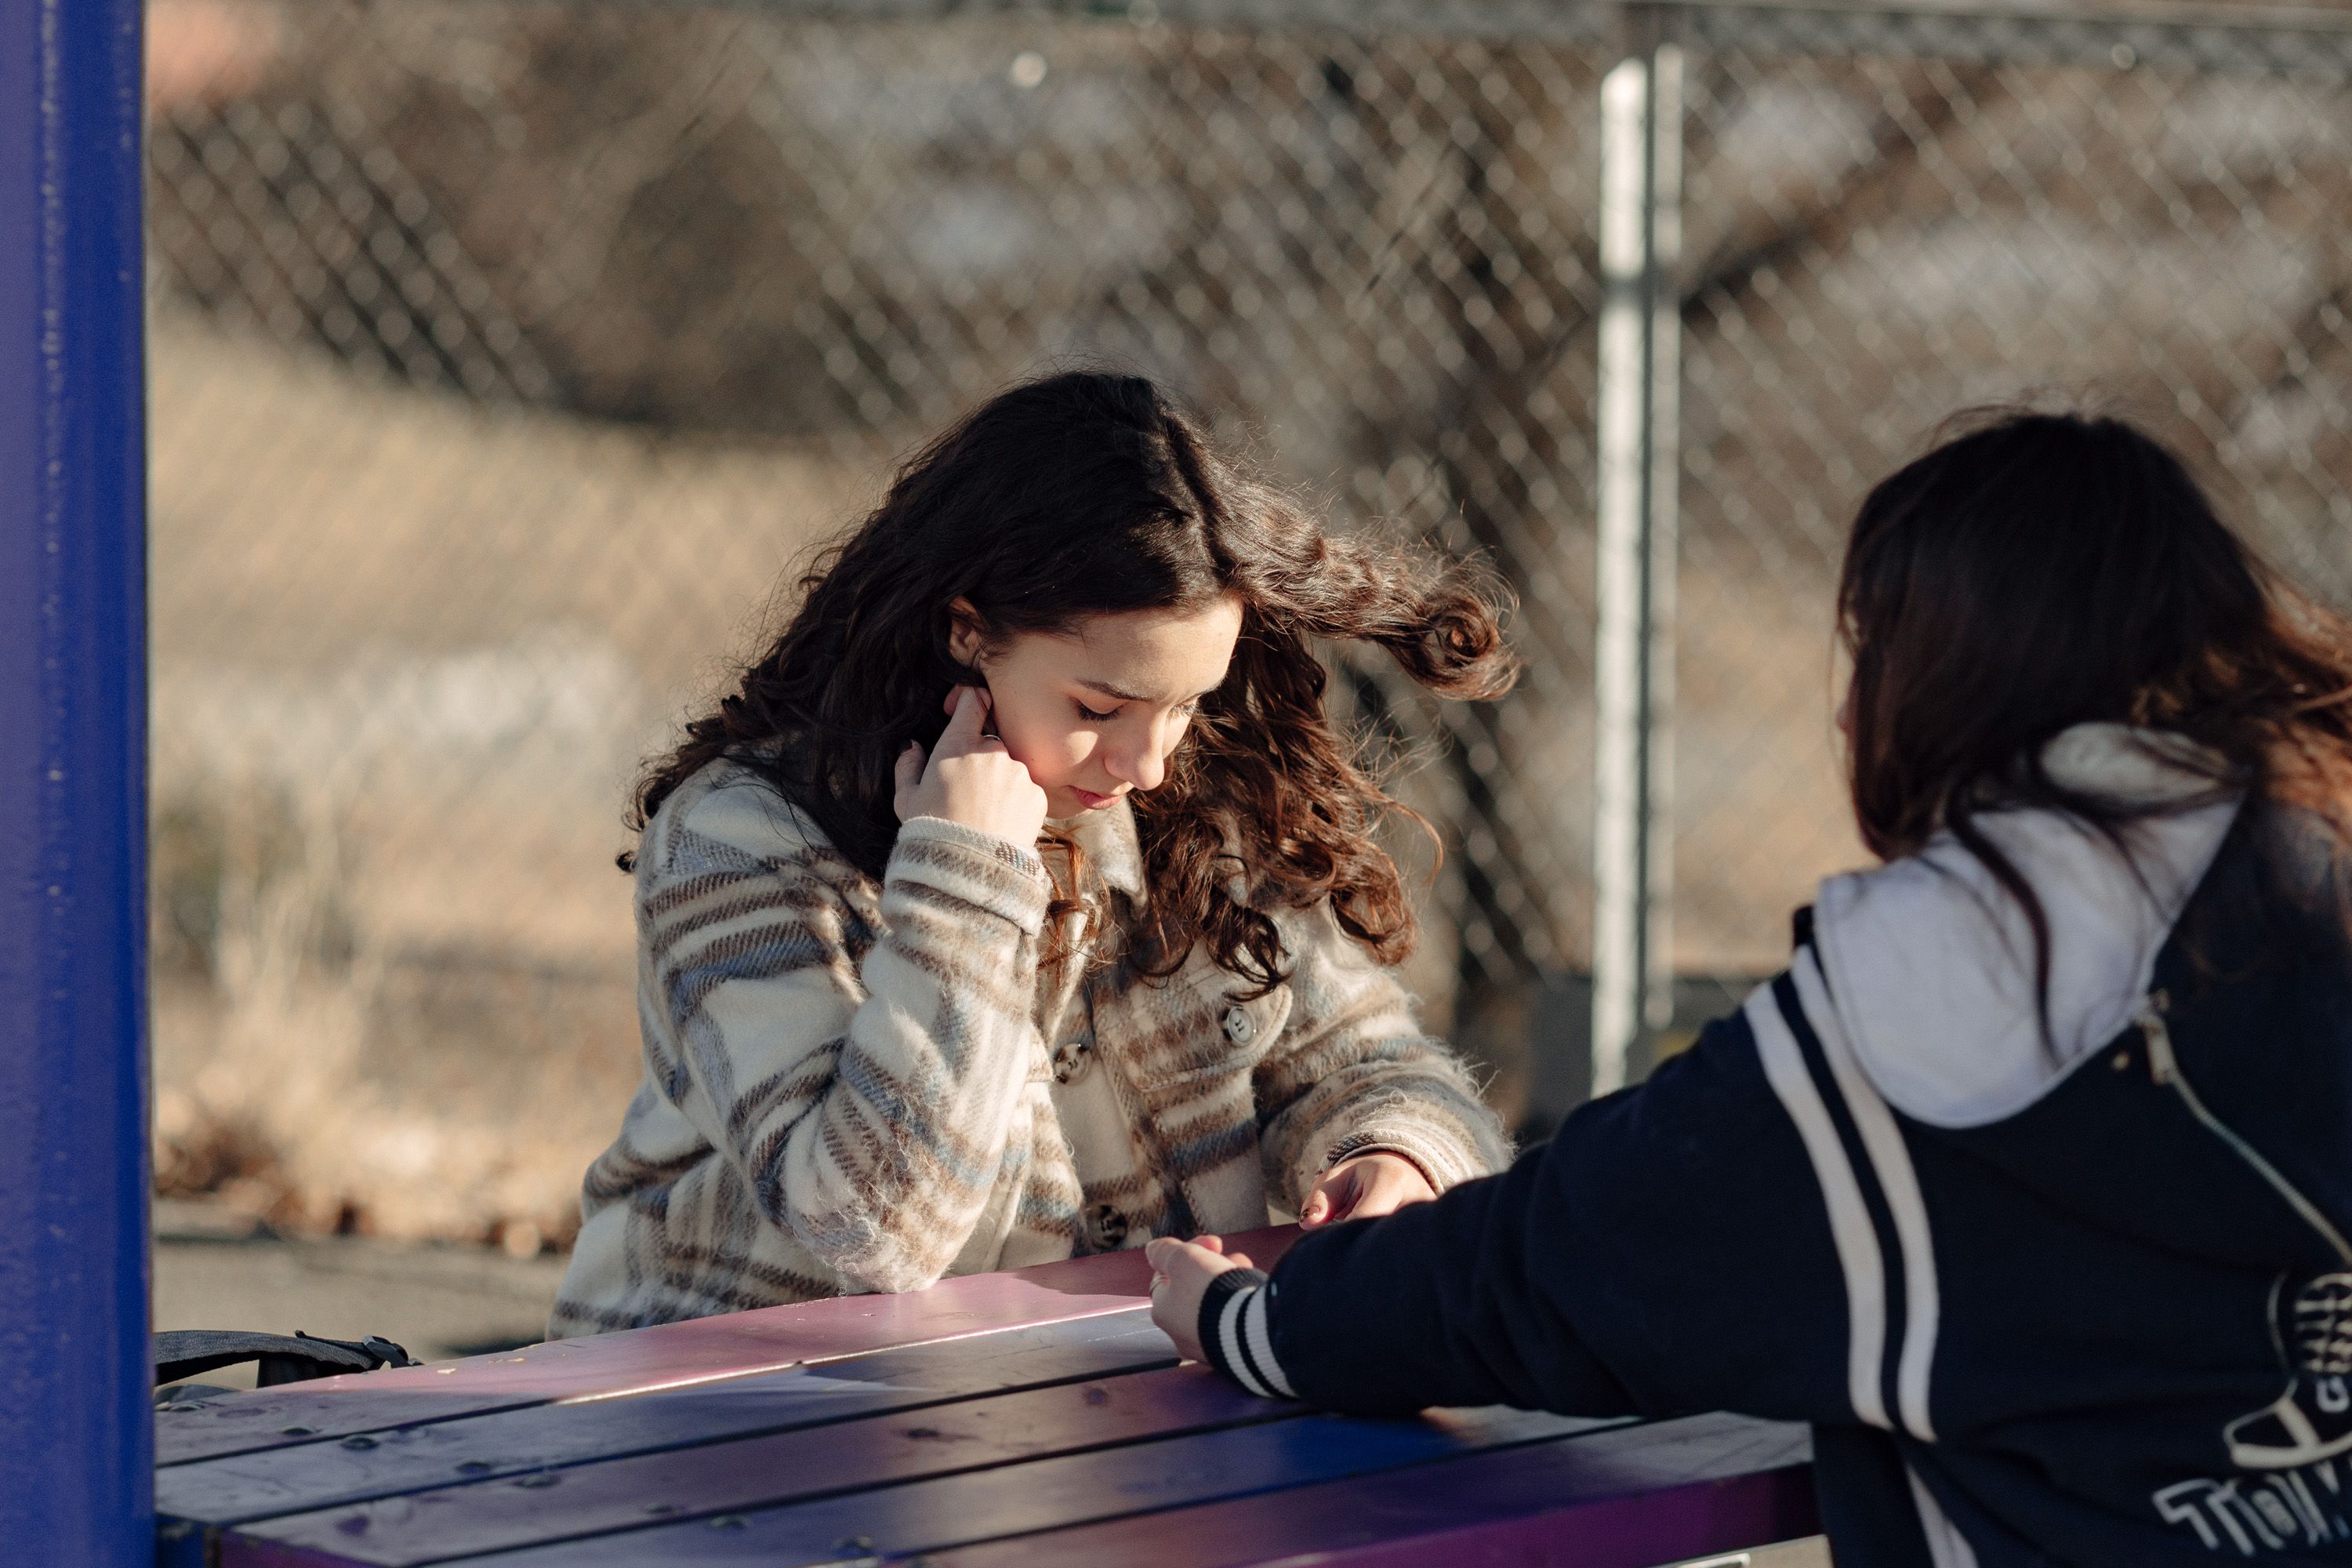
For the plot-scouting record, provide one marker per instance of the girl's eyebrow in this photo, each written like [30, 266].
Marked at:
[1104, 689]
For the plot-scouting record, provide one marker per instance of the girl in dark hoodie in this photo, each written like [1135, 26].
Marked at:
[2029, 1183]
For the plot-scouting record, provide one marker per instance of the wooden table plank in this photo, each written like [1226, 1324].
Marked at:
[247, 1486]
[673, 1356]
[1028, 1417]
[1044, 1494]
[1627, 1498]
[757, 1472]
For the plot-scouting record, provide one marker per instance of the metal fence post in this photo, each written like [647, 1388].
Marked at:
[77, 1446]
[1641, 141]
[1661, 509]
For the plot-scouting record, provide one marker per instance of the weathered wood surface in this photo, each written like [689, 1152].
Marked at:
[674, 1355]
[1034, 1417]
[513, 1442]
[1625, 1496]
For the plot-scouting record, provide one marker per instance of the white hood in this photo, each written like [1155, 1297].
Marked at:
[1930, 964]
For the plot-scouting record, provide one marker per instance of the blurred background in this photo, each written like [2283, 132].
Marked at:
[505, 357]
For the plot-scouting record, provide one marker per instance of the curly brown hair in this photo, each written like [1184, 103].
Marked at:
[1086, 494]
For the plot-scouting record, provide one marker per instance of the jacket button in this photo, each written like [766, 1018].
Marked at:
[1070, 1059]
[1106, 1228]
[1239, 1027]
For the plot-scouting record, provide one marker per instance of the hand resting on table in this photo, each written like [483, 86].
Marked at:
[1361, 1188]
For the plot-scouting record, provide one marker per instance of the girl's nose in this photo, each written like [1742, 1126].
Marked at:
[1138, 771]
[1139, 767]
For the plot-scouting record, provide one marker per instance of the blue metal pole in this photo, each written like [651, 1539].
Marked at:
[77, 1438]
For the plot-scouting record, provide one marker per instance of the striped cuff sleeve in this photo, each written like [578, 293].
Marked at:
[1235, 1334]
[1348, 1148]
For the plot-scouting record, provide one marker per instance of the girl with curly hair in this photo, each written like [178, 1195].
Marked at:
[1020, 900]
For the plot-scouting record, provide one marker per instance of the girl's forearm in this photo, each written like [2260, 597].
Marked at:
[873, 1129]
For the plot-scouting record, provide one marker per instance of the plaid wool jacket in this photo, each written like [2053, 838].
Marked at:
[858, 1086]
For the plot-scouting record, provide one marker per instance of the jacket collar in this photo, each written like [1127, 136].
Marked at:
[1112, 850]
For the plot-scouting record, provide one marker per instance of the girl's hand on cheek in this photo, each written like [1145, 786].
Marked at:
[970, 778]
[1180, 1272]
[1364, 1187]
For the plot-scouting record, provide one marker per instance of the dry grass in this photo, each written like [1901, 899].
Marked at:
[407, 655]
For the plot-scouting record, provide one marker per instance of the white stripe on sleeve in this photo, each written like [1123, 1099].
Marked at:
[1261, 1344]
[1229, 1340]
[1850, 1226]
[1900, 1184]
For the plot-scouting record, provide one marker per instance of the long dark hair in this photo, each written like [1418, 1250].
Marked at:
[1086, 494]
[2038, 571]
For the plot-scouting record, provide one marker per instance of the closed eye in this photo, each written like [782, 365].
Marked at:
[1091, 716]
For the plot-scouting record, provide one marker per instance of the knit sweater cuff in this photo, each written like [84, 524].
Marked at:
[974, 867]
[1364, 1143]
[1235, 1336]
[1445, 1152]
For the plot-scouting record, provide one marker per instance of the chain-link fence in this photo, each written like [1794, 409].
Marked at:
[505, 354]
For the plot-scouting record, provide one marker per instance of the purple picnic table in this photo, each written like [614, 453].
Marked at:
[1031, 1417]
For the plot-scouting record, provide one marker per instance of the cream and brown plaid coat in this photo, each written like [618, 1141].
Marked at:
[854, 1085]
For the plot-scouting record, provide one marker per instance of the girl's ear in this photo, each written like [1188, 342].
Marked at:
[965, 637]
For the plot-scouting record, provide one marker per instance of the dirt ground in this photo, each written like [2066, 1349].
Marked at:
[214, 1269]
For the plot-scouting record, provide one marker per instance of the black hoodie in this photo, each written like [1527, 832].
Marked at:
[2069, 1288]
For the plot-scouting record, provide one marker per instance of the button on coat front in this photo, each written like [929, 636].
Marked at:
[1071, 1060]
